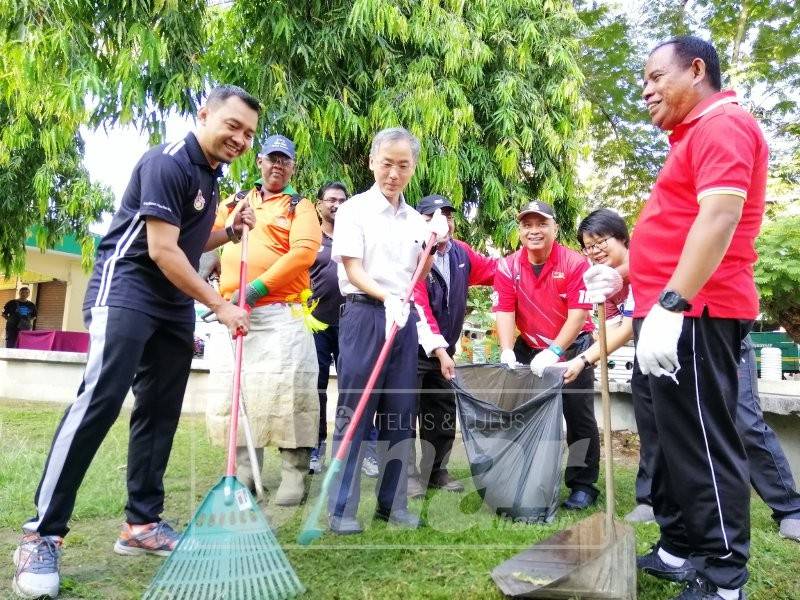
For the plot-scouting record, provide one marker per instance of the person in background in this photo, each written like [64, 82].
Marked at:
[441, 300]
[19, 315]
[539, 290]
[325, 285]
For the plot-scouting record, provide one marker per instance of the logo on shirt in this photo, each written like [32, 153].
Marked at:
[199, 201]
[558, 275]
[282, 221]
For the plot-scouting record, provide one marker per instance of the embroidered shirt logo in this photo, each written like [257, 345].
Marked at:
[199, 201]
[282, 221]
[558, 275]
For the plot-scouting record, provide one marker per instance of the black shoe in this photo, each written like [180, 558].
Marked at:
[579, 500]
[652, 564]
[701, 589]
[400, 517]
[442, 479]
[344, 525]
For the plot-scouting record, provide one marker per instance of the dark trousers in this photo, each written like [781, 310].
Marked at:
[128, 348]
[583, 437]
[437, 417]
[770, 474]
[391, 405]
[12, 333]
[700, 492]
[327, 343]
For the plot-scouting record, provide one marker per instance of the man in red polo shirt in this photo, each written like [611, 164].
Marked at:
[540, 290]
[691, 269]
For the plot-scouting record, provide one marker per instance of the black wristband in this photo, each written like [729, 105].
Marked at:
[232, 236]
[433, 249]
[585, 360]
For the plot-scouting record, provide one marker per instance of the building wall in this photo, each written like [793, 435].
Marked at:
[66, 268]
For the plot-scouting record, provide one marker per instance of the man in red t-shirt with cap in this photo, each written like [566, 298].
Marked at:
[691, 271]
[540, 290]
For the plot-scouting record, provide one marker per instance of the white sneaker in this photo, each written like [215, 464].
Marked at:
[790, 529]
[642, 513]
[36, 559]
[369, 467]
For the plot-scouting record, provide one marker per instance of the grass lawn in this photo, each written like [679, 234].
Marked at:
[450, 559]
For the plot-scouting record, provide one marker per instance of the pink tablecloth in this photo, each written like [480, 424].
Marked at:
[59, 341]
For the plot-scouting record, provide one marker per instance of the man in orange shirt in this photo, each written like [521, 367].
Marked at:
[280, 363]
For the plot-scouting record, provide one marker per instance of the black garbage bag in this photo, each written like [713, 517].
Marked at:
[511, 425]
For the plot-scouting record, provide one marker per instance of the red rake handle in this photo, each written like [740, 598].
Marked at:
[384, 353]
[237, 367]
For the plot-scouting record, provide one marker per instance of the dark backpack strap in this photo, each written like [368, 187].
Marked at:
[295, 200]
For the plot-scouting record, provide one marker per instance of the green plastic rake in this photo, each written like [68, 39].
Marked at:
[228, 551]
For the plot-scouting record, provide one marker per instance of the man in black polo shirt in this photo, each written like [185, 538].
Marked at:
[140, 315]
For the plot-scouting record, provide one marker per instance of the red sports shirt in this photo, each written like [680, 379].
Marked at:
[540, 303]
[717, 149]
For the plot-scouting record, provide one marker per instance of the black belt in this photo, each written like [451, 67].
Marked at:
[364, 299]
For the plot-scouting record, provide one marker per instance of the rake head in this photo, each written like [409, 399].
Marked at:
[228, 552]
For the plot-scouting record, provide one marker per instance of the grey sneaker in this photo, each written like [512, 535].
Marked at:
[369, 467]
[642, 513]
[36, 559]
[790, 529]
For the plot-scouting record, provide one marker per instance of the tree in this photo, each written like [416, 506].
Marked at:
[626, 151]
[491, 88]
[66, 63]
[777, 272]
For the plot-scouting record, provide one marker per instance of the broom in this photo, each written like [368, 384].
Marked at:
[228, 551]
[311, 530]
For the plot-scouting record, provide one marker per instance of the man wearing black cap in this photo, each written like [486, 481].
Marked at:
[280, 361]
[540, 289]
[441, 300]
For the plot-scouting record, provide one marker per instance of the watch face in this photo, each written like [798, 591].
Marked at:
[672, 300]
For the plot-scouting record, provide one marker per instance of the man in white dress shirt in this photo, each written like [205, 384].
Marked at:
[378, 240]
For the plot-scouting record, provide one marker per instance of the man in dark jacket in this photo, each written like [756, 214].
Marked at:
[441, 300]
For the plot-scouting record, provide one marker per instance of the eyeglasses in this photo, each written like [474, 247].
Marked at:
[281, 161]
[596, 247]
[334, 200]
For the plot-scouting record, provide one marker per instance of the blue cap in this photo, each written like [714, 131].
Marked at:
[278, 143]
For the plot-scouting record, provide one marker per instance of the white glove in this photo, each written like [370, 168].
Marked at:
[509, 359]
[438, 225]
[602, 282]
[657, 349]
[545, 358]
[396, 312]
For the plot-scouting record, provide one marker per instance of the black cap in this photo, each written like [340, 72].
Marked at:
[429, 204]
[540, 208]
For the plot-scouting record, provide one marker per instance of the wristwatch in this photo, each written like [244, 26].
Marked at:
[673, 301]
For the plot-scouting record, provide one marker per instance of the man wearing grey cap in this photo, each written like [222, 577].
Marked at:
[441, 300]
[540, 290]
[280, 362]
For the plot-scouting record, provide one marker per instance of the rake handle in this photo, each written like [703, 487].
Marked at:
[344, 446]
[230, 471]
[604, 394]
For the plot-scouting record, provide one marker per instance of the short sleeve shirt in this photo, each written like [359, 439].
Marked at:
[172, 183]
[278, 229]
[387, 241]
[541, 302]
[718, 149]
[325, 284]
